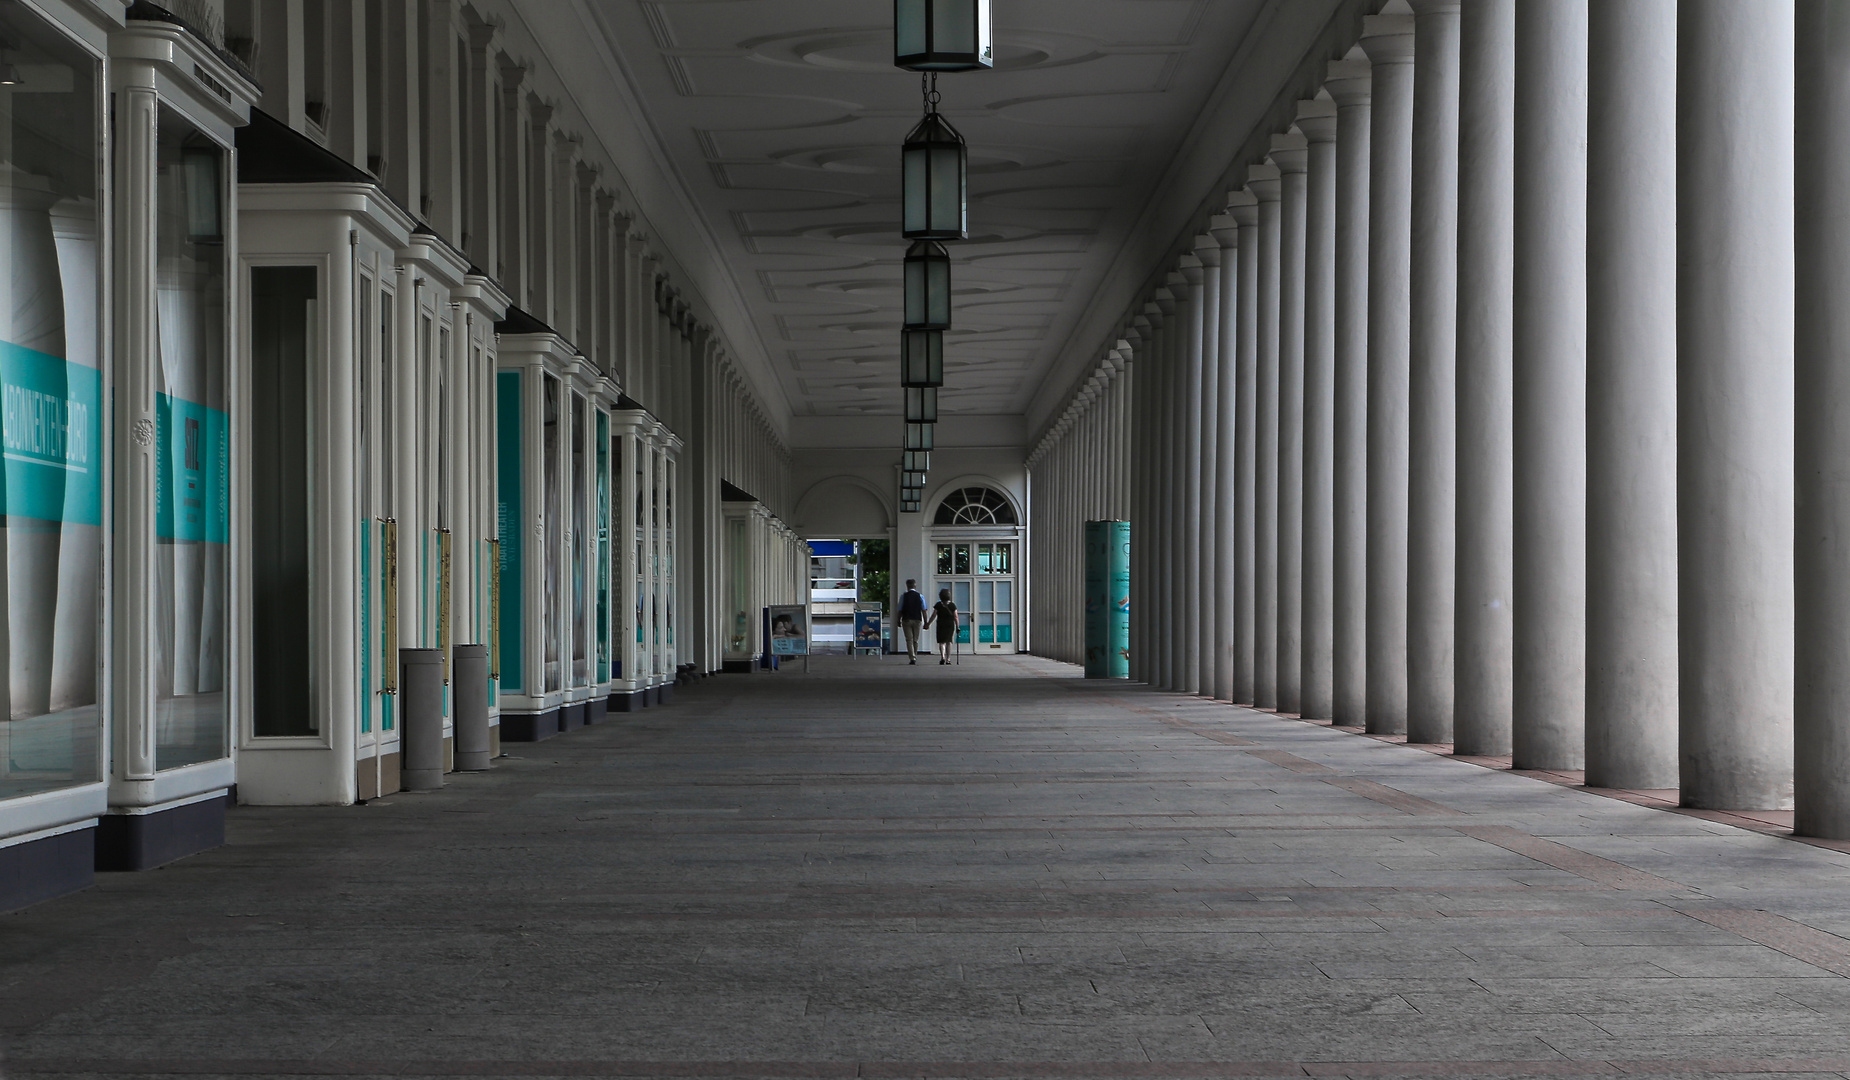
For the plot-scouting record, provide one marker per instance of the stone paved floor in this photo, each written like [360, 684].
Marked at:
[995, 870]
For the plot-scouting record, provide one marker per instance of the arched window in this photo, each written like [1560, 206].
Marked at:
[975, 506]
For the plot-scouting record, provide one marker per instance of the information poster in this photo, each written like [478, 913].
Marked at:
[867, 630]
[789, 629]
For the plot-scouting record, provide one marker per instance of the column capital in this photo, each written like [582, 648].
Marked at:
[1225, 229]
[1434, 7]
[1243, 205]
[1262, 181]
[1189, 268]
[1138, 332]
[1388, 39]
[1291, 152]
[1170, 295]
[1350, 82]
[1317, 119]
[1153, 312]
[1207, 248]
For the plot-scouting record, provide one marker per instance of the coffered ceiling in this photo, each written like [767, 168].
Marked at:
[782, 119]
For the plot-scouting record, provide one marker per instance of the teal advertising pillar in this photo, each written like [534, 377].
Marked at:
[1108, 599]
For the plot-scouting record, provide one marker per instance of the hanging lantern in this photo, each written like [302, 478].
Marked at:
[909, 507]
[921, 404]
[916, 461]
[935, 165]
[913, 480]
[919, 436]
[942, 35]
[921, 358]
[928, 287]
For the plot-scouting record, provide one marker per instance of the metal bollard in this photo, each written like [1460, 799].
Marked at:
[469, 692]
[420, 701]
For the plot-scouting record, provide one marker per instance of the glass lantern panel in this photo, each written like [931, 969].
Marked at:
[921, 405]
[953, 26]
[916, 189]
[947, 190]
[909, 27]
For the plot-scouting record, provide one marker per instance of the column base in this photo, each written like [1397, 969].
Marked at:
[34, 871]
[736, 667]
[628, 700]
[147, 840]
[596, 710]
[529, 727]
[664, 694]
[571, 717]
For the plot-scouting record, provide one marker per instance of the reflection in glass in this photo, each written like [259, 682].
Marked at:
[192, 506]
[51, 393]
[549, 456]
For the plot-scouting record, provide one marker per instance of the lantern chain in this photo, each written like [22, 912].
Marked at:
[928, 88]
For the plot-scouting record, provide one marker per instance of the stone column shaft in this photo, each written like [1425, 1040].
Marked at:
[1317, 120]
[1821, 731]
[1207, 249]
[1432, 378]
[1245, 211]
[1735, 407]
[1388, 40]
[1486, 252]
[1549, 362]
[1264, 181]
[1632, 394]
[1290, 153]
[1225, 600]
[1349, 82]
[1188, 541]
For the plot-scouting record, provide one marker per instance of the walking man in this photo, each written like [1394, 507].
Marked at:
[911, 614]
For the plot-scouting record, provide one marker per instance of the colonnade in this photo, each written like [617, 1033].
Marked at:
[1469, 413]
[1080, 474]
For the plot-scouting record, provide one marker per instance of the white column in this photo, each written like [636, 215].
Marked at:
[1243, 206]
[1264, 182]
[1550, 389]
[1632, 394]
[1388, 40]
[1486, 253]
[1821, 792]
[1735, 326]
[1161, 327]
[1350, 82]
[1169, 334]
[1207, 249]
[1225, 599]
[1317, 120]
[1290, 154]
[1139, 503]
[1432, 374]
[1188, 540]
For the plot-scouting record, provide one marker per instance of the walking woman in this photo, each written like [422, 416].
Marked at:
[944, 613]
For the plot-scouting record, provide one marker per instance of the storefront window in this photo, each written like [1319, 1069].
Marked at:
[192, 430]
[581, 637]
[50, 410]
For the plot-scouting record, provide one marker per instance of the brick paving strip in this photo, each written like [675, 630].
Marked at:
[1816, 947]
[936, 1070]
[1605, 871]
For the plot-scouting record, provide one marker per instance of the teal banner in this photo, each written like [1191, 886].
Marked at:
[192, 494]
[1108, 599]
[50, 412]
[507, 525]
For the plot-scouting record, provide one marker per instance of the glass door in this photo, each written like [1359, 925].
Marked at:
[981, 578]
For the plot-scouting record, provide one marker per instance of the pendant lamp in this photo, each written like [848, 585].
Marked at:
[916, 461]
[920, 436]
[942, 35]
[935, 165]
[921, 404]
[928, 286]
[921, 358]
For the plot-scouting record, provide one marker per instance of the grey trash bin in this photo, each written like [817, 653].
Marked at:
[420, 700]
[469, 691]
